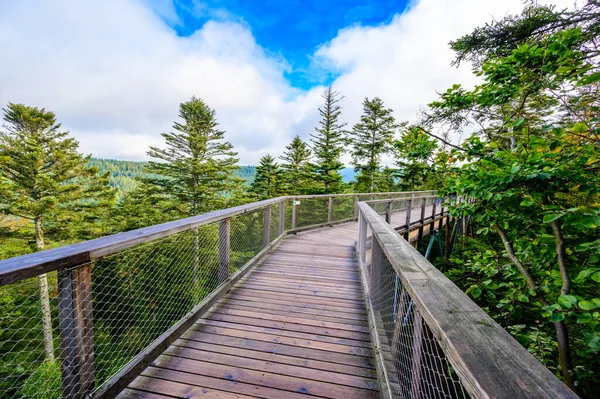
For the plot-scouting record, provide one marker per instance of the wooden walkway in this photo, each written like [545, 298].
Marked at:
[296, 326]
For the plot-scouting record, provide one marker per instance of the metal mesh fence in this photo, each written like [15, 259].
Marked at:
[415, 365]
[128, 300]
[100, 316]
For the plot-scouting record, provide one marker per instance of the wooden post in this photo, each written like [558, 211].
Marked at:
[224, 249]
[362, 237]
[355, 207]
[417, 352]
[441, 213]
[281, 217]
[330, 210]
[408, 217]
[294, 213]
[432, 226]
[375, 275]
[388, 213]
[421, 229]
[76, 330]
[266, 225]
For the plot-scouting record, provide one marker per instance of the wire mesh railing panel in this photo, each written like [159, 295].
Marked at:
[246, 237]
[140, 293]
[414, 362]
[343, 208]
[274, 223]
[28, 357]
[311, 211]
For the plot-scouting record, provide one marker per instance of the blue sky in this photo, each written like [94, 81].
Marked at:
[290, 28]
[116, 80]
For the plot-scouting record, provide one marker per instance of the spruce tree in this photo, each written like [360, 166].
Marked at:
[268, 182]
[296, 175]
[197, 163]
[369, 140]
[44, 179]
[328, 144]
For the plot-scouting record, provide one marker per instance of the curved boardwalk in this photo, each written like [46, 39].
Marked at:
[296, 326]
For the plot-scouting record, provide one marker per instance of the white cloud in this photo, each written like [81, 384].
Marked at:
[114, 72]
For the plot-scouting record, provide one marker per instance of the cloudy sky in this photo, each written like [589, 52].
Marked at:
[114, 71]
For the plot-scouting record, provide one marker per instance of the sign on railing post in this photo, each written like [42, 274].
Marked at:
[330, 210]
[75, 323]
[266, 225]
[224, 249]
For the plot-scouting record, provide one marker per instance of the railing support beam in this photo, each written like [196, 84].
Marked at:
[281, 217]
[76, 331]
[330, 210]
[224, 249]
[266, 225]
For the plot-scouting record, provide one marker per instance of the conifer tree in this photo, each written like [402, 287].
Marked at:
[42, 178]
[370, 139]
[328, 144]
[198, 164]
[296, 174]
[268, 181]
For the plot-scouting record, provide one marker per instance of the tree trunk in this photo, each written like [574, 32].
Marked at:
[44, 297]
[562, 334]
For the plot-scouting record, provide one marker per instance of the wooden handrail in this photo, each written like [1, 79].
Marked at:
[488, 360]
[26, 266]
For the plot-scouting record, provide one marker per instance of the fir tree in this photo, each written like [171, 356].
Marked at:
[268, 181]
[198, 164]
[44, 179]
[370, 139]
[328, 144]
[296, 174]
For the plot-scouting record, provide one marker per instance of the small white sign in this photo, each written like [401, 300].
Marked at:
[296, 202]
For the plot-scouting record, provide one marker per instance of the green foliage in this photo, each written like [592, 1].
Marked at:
[533, 171]
[295, 176]
[268, 182]
[197, 164]
[415, 151]
[328, 145]
[44, 179]
[44, 383]
[370, 139]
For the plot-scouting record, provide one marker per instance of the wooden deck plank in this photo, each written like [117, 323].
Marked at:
[295, 326]
[288, 330]
[279, 358]
[295, 385]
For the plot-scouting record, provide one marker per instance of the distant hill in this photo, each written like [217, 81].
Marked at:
[122, 174]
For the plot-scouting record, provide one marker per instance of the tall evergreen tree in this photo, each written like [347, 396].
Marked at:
[198, 164]
[296, 175]
[268, 182]
[328, 144]
[42, 178]
[415, 151]
[370, 139]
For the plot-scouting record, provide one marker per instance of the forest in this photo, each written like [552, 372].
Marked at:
[530, 166]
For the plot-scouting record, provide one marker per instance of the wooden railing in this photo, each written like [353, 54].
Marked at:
[431, 340]
[117, 302]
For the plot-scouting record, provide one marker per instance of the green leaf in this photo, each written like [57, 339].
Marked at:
[570, 298]
[596, 277]
[527, 201]
[586, 305]
[552, 217]
[557, 317]
[565, 303]
[523, 298]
